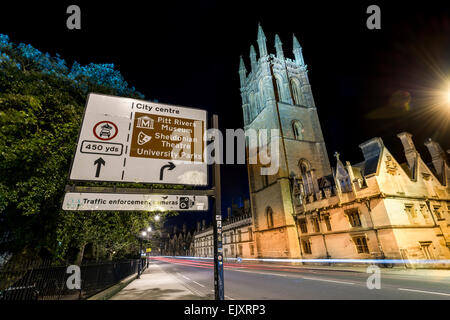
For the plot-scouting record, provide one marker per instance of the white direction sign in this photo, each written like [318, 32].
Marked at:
[74, 201]
[130, 140]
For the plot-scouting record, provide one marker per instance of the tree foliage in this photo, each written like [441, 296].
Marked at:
[41, 106]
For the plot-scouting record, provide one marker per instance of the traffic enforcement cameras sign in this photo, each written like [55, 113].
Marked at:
[130, 140]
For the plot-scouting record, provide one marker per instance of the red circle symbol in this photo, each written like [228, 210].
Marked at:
[105, 130]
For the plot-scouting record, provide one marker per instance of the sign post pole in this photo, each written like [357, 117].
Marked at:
[217, 221]
[140, 259]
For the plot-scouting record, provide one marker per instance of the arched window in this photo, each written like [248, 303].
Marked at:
[278, 94]
[296, 93]
[261, 92]
[251, 98]
[248, 118]
[306, 177]
[297, 127]
[269, 217]
[259, 102]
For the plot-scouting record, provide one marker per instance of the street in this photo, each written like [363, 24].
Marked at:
[249, 281]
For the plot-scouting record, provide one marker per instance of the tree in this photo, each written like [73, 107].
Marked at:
[41, 106]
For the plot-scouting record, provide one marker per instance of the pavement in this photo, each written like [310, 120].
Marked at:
[186, 279]
[157, 284]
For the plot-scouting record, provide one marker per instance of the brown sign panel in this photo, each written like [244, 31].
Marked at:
[164, 137]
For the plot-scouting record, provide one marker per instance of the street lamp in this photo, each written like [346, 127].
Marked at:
[157, 217]
[143, 235]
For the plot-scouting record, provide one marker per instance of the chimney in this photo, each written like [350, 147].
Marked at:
[175, 229]
[372, 148]
[203, 224]
[198, 226]
[349, 168]
[229, 213]
[184, 228]
[439, 159]
[410, 152]
[247, 203]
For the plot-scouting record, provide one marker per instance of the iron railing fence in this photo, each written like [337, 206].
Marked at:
[34, 280]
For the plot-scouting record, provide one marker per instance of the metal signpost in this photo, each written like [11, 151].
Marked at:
[130, 140]
[217, 223]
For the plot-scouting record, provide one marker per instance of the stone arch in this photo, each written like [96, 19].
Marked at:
[296, 91]
[279, 87]
[252, 105]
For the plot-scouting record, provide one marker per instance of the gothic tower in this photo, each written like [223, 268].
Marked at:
[276, 94]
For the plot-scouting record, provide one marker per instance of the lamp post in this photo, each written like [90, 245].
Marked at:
[143, 234]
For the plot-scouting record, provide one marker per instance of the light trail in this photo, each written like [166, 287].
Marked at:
[363, 261]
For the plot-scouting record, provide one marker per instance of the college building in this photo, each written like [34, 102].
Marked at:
[378, 208]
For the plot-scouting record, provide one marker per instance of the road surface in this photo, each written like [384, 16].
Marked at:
[249, 281]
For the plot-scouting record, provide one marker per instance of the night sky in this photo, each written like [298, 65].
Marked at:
[366, 83]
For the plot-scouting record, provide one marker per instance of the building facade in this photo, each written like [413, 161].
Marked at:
[377, 208]
[177, 243]
[237, 235]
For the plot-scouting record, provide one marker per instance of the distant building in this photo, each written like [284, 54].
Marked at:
[237, 233]
[177, 243]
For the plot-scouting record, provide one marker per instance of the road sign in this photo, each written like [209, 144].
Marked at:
[148, 250]
[130, 140]
[133, 202]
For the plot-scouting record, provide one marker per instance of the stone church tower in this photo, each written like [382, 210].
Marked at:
[276, 94]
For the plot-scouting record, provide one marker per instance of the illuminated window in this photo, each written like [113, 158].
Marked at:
[437, 212]
[315, 222]
[306, 244]
[353, 217]
[326, 218]
[426, 249]
[411, 212]
[361, 244]
[303, 226]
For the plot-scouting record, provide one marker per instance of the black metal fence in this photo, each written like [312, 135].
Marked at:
[46, 281]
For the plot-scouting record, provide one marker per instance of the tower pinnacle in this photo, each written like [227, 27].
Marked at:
[261, 42]
[279, 47]
[242, 72]
[253, 57]
[297, 49]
